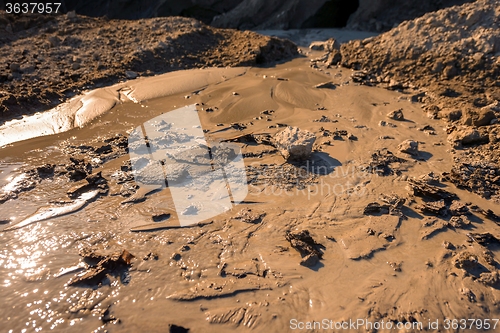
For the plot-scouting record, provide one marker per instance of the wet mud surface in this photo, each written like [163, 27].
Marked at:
[366, 227]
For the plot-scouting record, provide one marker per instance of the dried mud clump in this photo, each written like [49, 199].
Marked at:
[375, 208]
[295, 144]
[392, 205]
[409, 147]
[384, 163]
[484, 239]
[476, 172]
[101, 265]
[309, 249]
[466, 261]
[422, 189]
[246, 215]
[46, 59]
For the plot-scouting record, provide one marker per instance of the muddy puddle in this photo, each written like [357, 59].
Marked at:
[361, 230]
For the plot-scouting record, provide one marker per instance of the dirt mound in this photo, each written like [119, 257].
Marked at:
[453, 57]
[382, 15]
[46, 59]
[458, 47]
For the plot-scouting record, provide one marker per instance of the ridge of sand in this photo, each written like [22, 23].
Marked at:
[81, 110]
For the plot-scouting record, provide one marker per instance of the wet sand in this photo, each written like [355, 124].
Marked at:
[402, 262]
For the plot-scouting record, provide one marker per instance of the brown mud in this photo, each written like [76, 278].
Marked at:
[394, 216]
[46, 59]
[350, 233]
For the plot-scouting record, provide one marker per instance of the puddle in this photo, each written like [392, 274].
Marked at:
[235, 270]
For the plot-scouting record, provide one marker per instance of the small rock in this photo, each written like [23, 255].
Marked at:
[14, 67]
[329, 45]
[396, 115]
[352, 137]
[483, 117]
[71, 15]
[409, 147]
[334, 58]
[54, 41]
[449, 246]
[467, 136]
[75, 66]
[450, 115]
[131, 75]
[294, 143]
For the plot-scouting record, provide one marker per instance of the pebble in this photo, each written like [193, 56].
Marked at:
[15, 67]
[396, 115]
[408, 147]
[131, 75]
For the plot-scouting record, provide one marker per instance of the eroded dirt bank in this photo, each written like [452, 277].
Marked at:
[393, 216]
[450, 60]
[45, 59]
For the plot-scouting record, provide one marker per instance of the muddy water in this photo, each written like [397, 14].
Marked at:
[230, 273]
